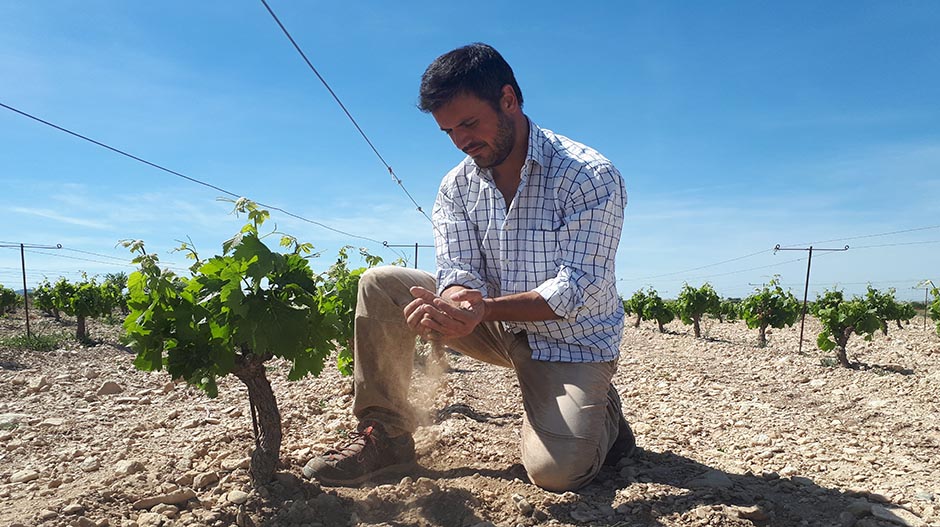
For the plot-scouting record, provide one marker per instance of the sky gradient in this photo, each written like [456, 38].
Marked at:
[736, 125]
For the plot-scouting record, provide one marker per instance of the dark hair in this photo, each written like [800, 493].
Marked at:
[476, 69]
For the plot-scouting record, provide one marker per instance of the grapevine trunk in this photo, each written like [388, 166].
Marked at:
[80, 334]
[266, 419]
[762, 336]
[841, 342]
[697, 327]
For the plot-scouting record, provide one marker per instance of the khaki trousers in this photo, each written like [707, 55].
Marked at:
[572, 411]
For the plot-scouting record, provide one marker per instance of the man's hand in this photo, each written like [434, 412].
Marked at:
[454, 316]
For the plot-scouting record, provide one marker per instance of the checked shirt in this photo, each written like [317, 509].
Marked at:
[558, 237]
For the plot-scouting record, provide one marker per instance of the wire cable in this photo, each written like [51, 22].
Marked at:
[696, 268]
[184, 176]
[303, 55]
[915, 229]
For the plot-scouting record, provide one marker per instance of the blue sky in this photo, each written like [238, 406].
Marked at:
[736, 125]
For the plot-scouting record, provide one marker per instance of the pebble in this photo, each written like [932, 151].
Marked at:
[201, 481]
[150, 519]
[127, 467]
[229, 464]
[73, 508]
[83, 522]
[896, 515]
[522, 505]
[90, 464]
[47, 514]
[24, 476]
[172, 498]
[237, 497]
[110, 388]
[712, 479]
[38, 384]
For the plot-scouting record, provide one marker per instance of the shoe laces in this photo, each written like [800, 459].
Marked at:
[359, 440]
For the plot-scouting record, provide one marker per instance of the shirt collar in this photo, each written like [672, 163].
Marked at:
[536, 153]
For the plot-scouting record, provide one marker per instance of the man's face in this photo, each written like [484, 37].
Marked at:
[477, 129]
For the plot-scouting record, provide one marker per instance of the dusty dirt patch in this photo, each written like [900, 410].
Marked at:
[729, 435]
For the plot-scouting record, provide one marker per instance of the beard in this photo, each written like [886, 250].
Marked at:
[502, 144]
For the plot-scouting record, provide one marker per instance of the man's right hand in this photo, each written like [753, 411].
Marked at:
[455, 315]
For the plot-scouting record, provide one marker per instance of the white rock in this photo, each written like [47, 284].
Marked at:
[150, 519]
[205, 479]
[896, 515]
[90, 464]
[172, 498]
[127, 467]
[237, 497]
[37, 384]
[110, 388]
[73, 508]
[235, 464]
[12, 420]
[53, 421]
[712, 479]
[24, 476]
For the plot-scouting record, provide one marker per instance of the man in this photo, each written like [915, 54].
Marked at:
[526, 229]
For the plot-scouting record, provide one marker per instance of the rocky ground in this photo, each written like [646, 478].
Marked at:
[729, 434]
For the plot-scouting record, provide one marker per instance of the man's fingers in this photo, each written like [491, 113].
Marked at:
[456, 312]
[422, 293]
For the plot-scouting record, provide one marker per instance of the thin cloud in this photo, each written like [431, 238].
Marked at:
[55, 216]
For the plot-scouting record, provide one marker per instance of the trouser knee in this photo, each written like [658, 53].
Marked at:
[566, 468]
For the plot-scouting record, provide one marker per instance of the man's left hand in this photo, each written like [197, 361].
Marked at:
[436, 318]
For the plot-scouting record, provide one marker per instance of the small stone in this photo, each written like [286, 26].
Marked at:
[859, 508]
[712, 479]
[895, 515]
[127, 467]
[524, 507]
[761, 440]
[788, 471]
[170, 511]
[73, 508]
[46, 514]
[753, 513]
[89, 374]
[847, 519]
[24, 476]
[37, 384]
[235, 464]
[924, 496]
[641, 428]
[237, 497]
[52, 421]
[201, 481]
[110, 388]
[172, 498]
[90, 464]
[150, 519]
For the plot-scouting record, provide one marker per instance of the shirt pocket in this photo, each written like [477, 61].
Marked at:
[533, 257]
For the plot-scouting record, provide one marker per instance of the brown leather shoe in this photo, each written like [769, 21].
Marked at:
[370, 453]
[623, 446]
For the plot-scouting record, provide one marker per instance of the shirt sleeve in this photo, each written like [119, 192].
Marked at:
[588, 241]
[459, 257]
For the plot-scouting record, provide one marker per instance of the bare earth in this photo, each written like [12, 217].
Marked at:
[729, 434]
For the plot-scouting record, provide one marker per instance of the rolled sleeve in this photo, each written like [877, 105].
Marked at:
[588, 241]
[457, 247]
